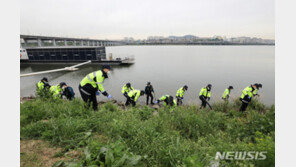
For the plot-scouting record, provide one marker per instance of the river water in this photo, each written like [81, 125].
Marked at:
[170, 67]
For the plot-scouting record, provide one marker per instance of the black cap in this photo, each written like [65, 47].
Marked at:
[209, 85]
[230, 87]
[44, 79]
[128, 84]
[185, 87]
[62, 84]
[106, 66]
[257, 85]
[148, 83]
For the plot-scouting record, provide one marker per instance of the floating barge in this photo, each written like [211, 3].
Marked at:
[57, 50]
[70, 54]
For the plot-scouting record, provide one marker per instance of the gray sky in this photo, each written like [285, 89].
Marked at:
[116, 19]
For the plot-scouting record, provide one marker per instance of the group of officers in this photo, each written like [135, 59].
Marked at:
[92, 85]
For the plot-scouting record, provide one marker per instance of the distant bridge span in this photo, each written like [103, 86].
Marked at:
[33, 41]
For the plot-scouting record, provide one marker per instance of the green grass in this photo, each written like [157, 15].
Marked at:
[188, 136]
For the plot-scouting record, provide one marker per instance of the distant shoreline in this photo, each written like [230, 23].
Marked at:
[199, 44]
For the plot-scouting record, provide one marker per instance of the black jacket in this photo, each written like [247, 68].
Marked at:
[149, 90]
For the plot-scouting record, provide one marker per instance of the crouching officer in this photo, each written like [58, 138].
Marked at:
[91, 84]
[133, 97]
[43, 84]
[167, 101]
[125, 90]
[57, 91]
[226, 93]
[180, 94]
[69, 93]
[247, 95]
[205, 95]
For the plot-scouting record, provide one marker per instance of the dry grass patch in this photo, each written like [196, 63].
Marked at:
[40, 153]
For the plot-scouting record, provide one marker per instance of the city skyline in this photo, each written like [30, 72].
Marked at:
[100, 19]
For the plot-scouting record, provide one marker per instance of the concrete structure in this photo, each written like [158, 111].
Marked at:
[32, 41]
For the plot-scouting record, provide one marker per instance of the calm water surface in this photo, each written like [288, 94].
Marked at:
[170, 67]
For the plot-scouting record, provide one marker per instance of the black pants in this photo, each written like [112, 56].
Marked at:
[179, 101]
[89, 98]
[130, 101]
[147, 99]
[203, 102]
[243, 106]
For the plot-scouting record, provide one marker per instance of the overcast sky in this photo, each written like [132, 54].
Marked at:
[116, 19]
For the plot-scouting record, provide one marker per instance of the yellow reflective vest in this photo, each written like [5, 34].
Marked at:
[40, 85]
[247, 91]
[226, 94]
[204, 92]
[135, 94]
[56, 91]
[96, 79]
[125, 89]
[163, 98]
[255, 92]
[180, 92]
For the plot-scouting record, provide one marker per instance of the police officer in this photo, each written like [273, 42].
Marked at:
[247, 95]
[148, 91]
[42, 84]
[167, 101]
[69, 93]
[92, 84]
[205, 95]
[57, 91]
[180, 94]
[133, 97]
[125, 90]
[226, 93]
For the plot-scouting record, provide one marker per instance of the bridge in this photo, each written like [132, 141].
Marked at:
[33, 41]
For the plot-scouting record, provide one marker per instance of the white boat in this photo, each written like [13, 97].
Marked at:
[23, 54]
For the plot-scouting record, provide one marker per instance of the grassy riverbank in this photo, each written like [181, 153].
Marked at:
[140, 136]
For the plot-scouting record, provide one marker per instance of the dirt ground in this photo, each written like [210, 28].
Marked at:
[40, 153]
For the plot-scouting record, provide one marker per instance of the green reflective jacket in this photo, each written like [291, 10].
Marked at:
[180, 92]
[125, 89]
[40, 85]
[247, 91]
[163, 98]
[255, 92]
[226, 94]
[204, 91]
[56, 91]
[96, 79]
[134, 94]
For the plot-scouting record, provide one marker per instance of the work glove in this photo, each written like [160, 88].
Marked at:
[156, 102]
[209, 98]
[98, 93]
[109, 96]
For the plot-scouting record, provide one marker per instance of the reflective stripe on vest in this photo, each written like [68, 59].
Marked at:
[94, 74]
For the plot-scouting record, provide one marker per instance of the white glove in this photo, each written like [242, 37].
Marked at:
[109, 96]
